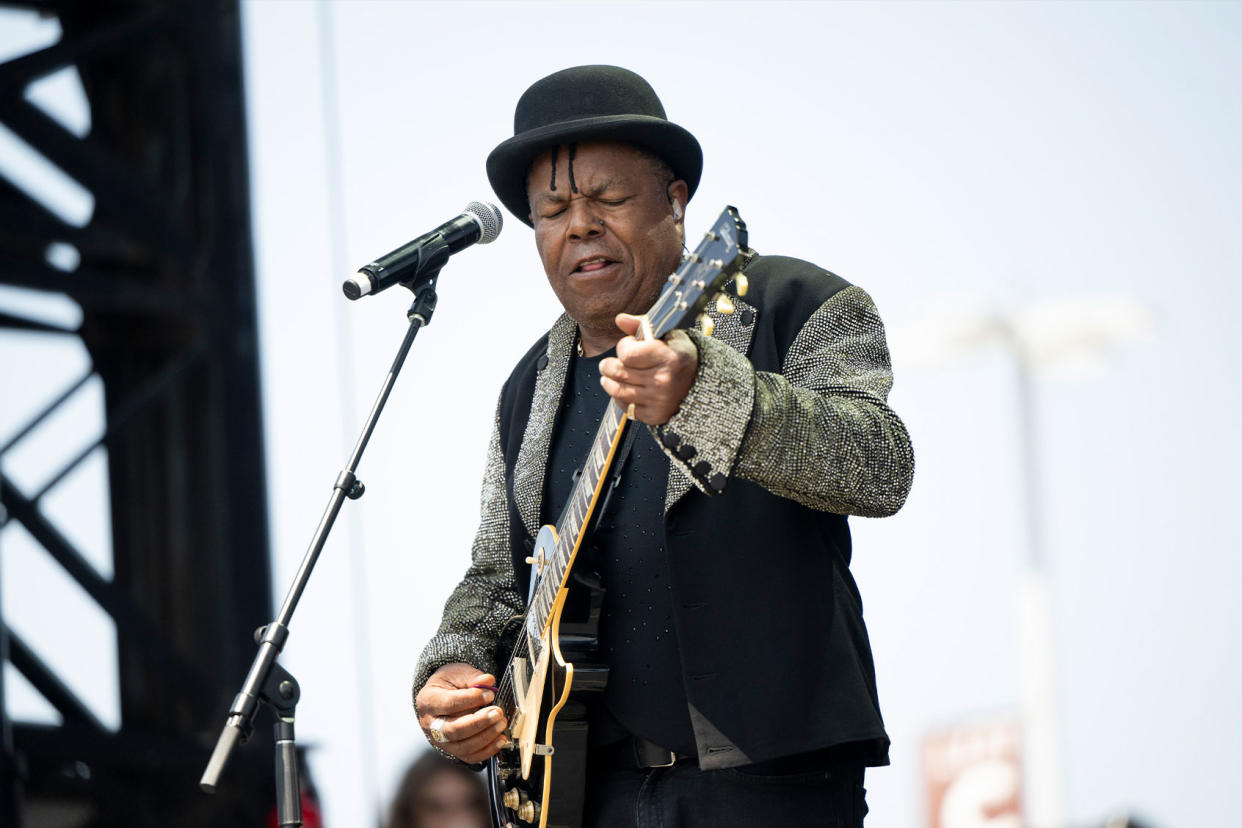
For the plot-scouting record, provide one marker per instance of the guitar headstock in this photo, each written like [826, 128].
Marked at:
[717, 259]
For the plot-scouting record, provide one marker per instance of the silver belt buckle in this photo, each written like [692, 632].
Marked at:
[672, 760]
[647, 749]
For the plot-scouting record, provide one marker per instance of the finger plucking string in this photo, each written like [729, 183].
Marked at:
[475, 730]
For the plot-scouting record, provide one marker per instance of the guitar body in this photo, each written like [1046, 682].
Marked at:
[554, 673]
[575, 681]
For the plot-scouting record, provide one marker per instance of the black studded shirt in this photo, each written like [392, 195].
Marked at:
[645, 695]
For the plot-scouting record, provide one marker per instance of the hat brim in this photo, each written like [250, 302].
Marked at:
[509, 163]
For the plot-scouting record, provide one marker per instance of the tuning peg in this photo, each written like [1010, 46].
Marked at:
[741, 284]
[707, 324]
[724, 304]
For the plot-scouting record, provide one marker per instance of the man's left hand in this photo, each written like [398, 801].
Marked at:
[655, 375]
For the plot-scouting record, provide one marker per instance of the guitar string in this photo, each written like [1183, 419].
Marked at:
[505, 689]
[504, 696]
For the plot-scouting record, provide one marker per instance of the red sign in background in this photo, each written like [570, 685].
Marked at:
[973, 776]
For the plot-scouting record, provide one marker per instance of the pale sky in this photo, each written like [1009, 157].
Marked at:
[941, 156]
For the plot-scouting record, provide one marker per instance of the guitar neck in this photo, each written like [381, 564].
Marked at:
[582, 502]
[701, 273]
[521, 791]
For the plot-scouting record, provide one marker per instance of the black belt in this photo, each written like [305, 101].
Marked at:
[636, 753]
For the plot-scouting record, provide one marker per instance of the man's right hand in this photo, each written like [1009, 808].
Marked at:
[472, 731]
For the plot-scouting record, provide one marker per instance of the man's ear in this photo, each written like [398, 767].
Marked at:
[678, 195]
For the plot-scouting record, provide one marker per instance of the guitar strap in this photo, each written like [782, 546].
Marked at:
[619, 459]
[618, 465]
[614, 473]
[614, 479]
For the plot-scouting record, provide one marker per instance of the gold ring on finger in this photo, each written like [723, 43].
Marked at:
[437, 731]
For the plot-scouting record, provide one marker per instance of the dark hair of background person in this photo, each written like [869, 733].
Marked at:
[421, 801]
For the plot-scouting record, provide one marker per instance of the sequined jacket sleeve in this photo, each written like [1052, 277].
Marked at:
[487, 596]
[819, 432]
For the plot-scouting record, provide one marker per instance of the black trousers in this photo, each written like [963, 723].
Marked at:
[682, 796]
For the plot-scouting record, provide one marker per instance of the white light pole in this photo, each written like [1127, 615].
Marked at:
[1074, 336]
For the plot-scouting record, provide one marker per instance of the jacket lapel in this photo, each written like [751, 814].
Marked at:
[531, 467]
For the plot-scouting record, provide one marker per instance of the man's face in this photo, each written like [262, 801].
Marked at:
[598, 270]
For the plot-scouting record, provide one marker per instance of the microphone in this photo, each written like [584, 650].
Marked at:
[422, 258]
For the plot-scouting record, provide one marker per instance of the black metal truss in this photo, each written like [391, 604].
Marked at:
[166, 287]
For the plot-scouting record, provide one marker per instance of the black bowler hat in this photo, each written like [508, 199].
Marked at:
[588, 103]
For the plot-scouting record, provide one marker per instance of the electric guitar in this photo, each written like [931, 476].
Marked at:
[539, 778]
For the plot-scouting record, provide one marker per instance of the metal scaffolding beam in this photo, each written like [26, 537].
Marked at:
[164, 277]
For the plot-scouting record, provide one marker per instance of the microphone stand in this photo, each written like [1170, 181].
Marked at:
[268, 682]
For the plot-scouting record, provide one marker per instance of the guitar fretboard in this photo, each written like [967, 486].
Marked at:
[531, 674]
[575, 517]
[699, 275]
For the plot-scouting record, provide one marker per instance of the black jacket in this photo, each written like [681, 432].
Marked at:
[769, 452]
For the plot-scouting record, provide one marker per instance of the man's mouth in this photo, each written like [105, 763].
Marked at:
[593, 265]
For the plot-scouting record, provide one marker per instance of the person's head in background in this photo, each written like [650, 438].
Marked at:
[436, 793]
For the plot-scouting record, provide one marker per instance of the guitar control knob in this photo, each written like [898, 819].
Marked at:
[741, 284]
[707, 324]
[512, 799]
[529, 811]
[724, 304]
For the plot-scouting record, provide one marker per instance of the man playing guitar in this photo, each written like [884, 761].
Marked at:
[740, 688]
